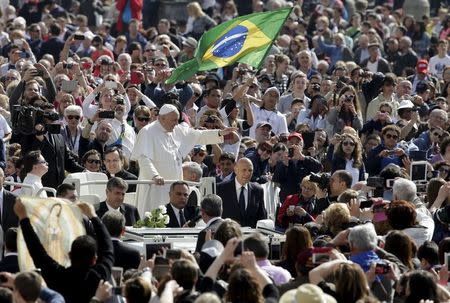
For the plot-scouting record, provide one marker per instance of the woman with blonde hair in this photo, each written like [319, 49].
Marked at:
[347, 112]
[336, 218]
[348, 155]
[198, 22]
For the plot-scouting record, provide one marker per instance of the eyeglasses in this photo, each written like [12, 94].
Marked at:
[384, 112]
[389, 136]
[93, 161]
[150, 50]
[142, 119]
[70, 117]
[160, 65]
[436, 134]
[10, 78]
[347, 143]
[43, 162]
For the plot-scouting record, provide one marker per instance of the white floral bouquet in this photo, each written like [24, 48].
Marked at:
[156, 218]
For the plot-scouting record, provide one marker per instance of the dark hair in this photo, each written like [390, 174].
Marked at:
[6, 295]
[444, 144]
[185, 273]
[212, 205]
[116, 182]
[402, 246]
[176, 183]
[298, 239]
[345, 176]
[433, 187]
[227, 156]
[112, 150]
[28, 161]
[89, 153]
[257, 244]
[55, 29]
[422, 286]
[114, 222]
[83, 251]
[11, 239]
[243, 287]
[227, 229]
[429, 251]
[401, 215]
[28, 285]
[444, 247]
[137, 290]
[63, 188]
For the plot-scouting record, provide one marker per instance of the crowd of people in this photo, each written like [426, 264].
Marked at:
[348, 117]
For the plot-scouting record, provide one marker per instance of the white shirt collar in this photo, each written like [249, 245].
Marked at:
[239, 185]
[110, 208]
[211, 221]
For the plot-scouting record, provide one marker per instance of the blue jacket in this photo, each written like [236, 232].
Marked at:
[260, 168]
[374, 164]
[423, 142]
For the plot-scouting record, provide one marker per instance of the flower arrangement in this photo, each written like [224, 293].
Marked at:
[156, 218]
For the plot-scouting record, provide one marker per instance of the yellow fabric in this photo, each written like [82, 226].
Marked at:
[57, 222]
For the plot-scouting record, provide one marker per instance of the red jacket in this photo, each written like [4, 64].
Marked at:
[136, 9]
[284, 221]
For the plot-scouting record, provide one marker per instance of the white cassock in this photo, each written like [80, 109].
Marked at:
[160, 153]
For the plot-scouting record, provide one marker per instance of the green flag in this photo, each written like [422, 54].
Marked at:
[245, 39]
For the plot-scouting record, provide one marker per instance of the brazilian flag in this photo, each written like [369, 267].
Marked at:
[245, 39]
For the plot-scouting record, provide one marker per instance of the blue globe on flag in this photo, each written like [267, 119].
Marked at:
[231, 42]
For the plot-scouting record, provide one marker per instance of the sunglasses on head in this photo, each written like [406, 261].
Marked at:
[389, 136]
[70, 117]
[347, 143]
[93, 161]
[142, 119]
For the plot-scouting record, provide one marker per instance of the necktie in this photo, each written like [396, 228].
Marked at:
[242, 200]
[182, 218]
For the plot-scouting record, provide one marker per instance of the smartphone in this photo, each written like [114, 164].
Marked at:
[418, 171]
[382, 268]
[111, 84]
[308, 139]
[366, 204]
[376, 182]
[136, 78]
[69, 86]
[107, 114]
[117, 291]
[53, 128]
[447, 260]
[116, 273]
[154, 248]
[291, 152]
[173, 254]
[78, 37]
[391, 152]
[23, 55]
[390, 183]
[418, 155]
[321, 255]
[18, 42]
[291, 207]
[239, 249]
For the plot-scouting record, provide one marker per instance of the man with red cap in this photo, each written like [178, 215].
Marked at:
[421, 75]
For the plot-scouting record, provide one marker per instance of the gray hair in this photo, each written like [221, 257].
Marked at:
[363, 237]
[194, 168]
[407, 40]
[212, 205]
[73, 109]
[126, 55]
[116, 182]
[441, 113]
[404, 189]
[114, 222]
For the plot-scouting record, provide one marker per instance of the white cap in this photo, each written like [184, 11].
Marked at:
[168, 108]
[405, 104]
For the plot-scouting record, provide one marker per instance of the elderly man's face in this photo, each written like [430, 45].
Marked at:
[437, 119]
[169, 121]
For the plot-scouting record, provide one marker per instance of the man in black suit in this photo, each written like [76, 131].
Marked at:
[114, 162]
[125, 256]
[91, 259]
[115, 194]
[7, 200]
[375, 60]
[10, 261]
[211, 212]
[177, 209]
[53, 149]
[243, 200]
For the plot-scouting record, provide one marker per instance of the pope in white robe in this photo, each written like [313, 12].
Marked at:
[160, 148]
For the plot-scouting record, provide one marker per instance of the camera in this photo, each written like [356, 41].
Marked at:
[322, 180]
[104, 62]
[349, 98]
[415, 108]
[315, 87]
[67, 65]
[382, 268]
[25, 118]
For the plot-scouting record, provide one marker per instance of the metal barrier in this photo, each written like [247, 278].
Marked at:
[47, 189]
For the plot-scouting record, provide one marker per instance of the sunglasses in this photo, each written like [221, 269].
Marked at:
[70, 117]
[43, 162]
[389, 136]
[347, 143]
[142, 119]
[93, 161]
[264, 149]
[150, 50]
[437, 135]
